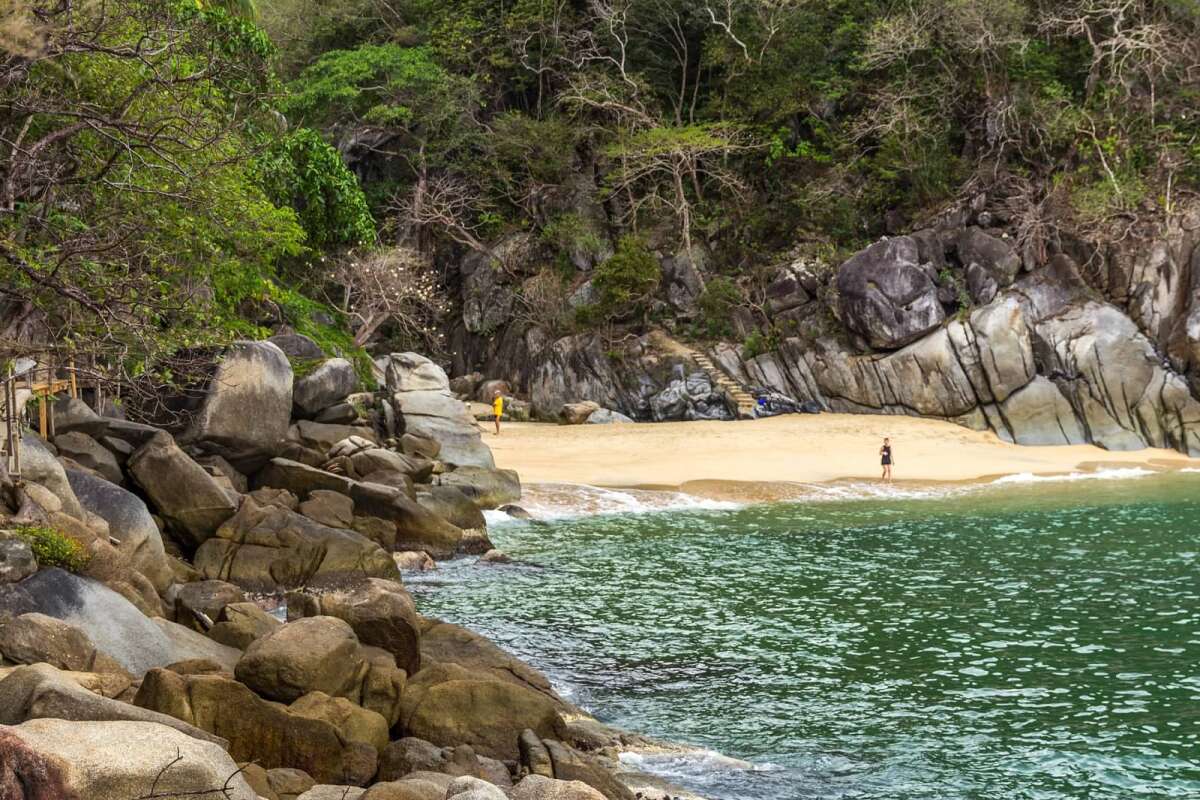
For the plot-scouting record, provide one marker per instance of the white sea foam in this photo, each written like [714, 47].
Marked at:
[687, 763]
[1114, 474]
[550, 501]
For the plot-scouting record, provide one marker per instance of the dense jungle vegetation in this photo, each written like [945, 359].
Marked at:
[174, 173]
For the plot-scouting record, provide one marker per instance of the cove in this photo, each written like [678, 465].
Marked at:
[1029, 639]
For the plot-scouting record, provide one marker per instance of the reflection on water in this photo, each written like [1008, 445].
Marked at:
[1032, 639]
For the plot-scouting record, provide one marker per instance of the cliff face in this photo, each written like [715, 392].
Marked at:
[1063, 342]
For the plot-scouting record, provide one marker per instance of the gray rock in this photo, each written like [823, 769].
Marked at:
[198, 604]
[72, 414]
[129, 522]
[323, 436]
[297, 346]
[340, 414]
[577, 413]
[886, 297]
[606, 416]
[118, 761]
[247, 407]
[183, 492]
[437, 415]
[39, 465]
[538, 787]
[16, 560]
[330, 383]
[410, 372]
[89, 454]
[1038, 414]
[267, 548]
[327, 791]
[682, 279]
[487, 488]
[40, 691]
[187, 645]
[453, 505]
[996, 257]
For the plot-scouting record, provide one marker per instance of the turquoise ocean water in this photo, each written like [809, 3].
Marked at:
[1031, 638]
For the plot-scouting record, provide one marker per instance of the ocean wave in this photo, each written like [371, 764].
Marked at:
[1112, 474]
[554, 501]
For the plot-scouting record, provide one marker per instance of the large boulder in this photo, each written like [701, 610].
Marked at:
[17, 561]
[314, 654]
[248, 403]
[39, 465]
[72, 414]
[322, 436]
[186, 644]
[439, 415]
[256, 729]
[1115, 378]
[537, 787]
[577, 413]
[444, 642]
[300, 479]
[41, 691]
[89, 454]
[886, 297]
[192, 502]
[991, 263]
[241, 624]
[417, 528]
[48, 759]
[297, 346]
[410, 372]
[453, 505]
[129, 522]
[115, 626]
[266, 548]
[380, 612]
[355, 723]
[197, 604]
[327, 385]
[487, 488]
[449, 705]
[36, 638]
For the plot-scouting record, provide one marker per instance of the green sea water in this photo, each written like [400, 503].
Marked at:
[1029, 639]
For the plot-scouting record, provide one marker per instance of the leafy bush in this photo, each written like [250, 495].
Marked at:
[627, 280]
[53, 548]
[759, 343]
[720, 297]
[305, 172]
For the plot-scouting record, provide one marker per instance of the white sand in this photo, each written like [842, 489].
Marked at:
[701, 456]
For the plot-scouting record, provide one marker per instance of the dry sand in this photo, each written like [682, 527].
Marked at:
[759, 458]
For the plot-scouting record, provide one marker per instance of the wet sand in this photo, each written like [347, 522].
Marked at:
[761, 459]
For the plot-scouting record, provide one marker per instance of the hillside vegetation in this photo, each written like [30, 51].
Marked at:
[176, 174]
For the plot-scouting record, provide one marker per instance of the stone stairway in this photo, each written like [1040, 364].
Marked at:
[737, 394]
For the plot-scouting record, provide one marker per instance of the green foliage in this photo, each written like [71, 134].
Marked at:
[53, 548]
[626, 281]
[717, 302]
[759, 343]
[304, 172]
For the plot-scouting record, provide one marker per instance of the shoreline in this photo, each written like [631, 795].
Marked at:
[777, 458]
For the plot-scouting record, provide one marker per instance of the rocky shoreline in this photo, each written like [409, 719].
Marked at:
[138, 657]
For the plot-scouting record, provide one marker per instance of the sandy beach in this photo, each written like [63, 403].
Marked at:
[761, 457]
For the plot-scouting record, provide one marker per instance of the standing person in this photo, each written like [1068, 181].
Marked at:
[497, 408]
[885, 458]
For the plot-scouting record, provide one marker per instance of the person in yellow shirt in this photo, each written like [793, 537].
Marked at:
[498, 409]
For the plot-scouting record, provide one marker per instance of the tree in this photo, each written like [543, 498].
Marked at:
[129, 217]
[395, 287]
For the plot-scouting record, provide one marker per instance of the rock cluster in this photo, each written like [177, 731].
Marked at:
[967, 319]
[151, 664]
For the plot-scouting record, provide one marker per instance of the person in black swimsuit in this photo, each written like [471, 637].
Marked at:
[885, 457]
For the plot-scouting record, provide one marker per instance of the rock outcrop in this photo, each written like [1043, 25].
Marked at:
[54, 758]
[247, 406]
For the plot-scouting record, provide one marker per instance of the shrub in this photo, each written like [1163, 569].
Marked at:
[721, 295]
[53, 548]
[627, 280]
